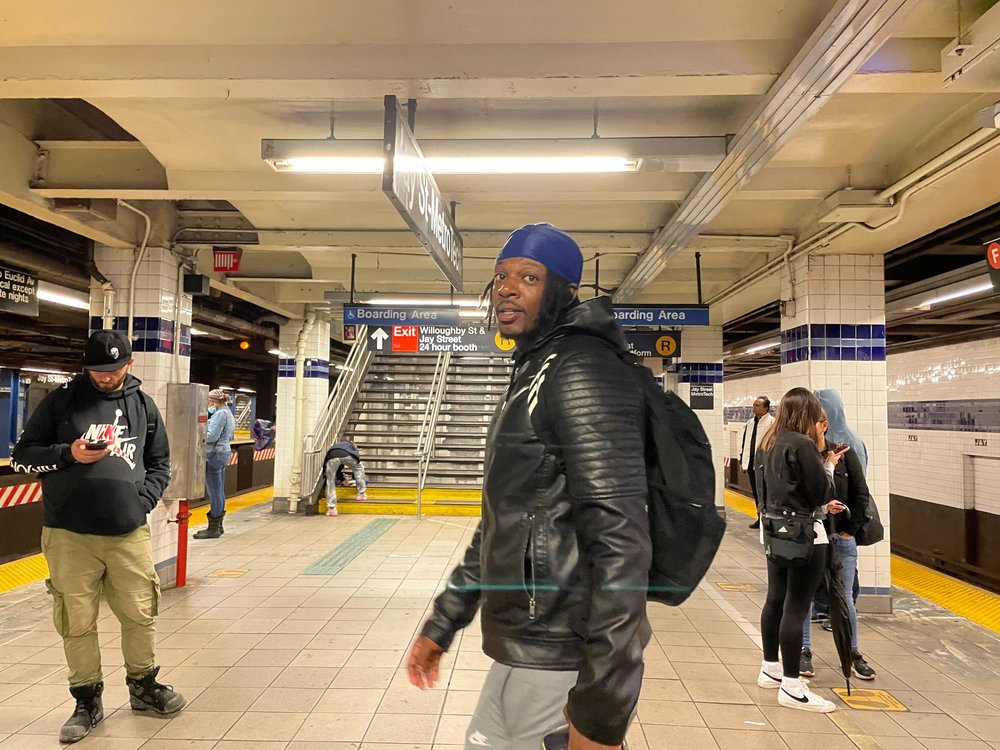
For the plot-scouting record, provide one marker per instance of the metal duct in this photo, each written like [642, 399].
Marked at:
[231, 323]
[69, 273]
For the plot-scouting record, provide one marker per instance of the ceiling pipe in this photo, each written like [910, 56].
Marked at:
[63, 271]
[238, 325]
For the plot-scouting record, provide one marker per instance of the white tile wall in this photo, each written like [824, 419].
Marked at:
[941, 466]
[704, 344]
[743, 392]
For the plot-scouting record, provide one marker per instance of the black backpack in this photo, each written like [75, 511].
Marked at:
[684, 526]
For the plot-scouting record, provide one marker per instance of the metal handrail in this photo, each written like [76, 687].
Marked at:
[333, 418]
[434, 401]
[425, 422]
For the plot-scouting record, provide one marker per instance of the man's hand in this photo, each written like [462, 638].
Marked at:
[83, 456]
[424, 661]
[578, 742]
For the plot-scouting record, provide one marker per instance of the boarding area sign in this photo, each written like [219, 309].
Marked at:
[375, 315]
[413, 339]
[647, 316]
[412, 190]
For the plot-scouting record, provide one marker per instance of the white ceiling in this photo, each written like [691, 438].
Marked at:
[199, 85]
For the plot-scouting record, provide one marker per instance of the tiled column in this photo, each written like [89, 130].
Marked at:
[153, 328]
[836, 339]
[700, 363]
[317, 387]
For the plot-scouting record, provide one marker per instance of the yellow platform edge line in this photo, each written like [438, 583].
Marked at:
[27, 570]
[971, 602]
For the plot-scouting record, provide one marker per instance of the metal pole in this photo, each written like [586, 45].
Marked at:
[697, 272]
[597, 273]
[354, 263]
[182, 542]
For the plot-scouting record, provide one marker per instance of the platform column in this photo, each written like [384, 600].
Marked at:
[833, 336]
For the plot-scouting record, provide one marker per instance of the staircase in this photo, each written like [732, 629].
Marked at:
[396, 412]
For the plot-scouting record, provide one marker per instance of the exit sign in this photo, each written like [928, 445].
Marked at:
[226, 259]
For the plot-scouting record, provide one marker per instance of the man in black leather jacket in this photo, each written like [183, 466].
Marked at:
[558, 565]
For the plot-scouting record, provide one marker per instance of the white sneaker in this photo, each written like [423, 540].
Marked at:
[795, 694]
[332, 511]
[768, 679]
[362, 496]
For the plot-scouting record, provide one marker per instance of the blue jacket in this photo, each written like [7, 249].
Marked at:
[221, 428]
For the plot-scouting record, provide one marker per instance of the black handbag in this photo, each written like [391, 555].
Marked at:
[788, 538]
[871, 531]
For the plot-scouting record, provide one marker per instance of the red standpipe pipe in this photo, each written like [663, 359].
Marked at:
[182, 542]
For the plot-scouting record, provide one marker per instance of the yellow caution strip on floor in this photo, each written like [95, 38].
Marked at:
[971, 602]
[30, 569]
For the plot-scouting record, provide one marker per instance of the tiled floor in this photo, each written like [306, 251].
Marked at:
[276, 659]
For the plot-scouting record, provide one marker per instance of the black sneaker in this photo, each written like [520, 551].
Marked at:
[89, 712]
[147, 694]
[806, 663]
[860, 667]
[755, 524]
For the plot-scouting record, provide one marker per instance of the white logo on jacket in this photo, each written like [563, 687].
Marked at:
[114, 435]
[536, 383]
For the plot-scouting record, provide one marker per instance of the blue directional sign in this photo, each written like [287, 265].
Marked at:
[375, 315]
[661, 315]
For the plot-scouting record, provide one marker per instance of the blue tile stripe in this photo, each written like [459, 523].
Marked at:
[313, 368]
[338, 558]
[699, 372]
[150, 334]
[852, 342]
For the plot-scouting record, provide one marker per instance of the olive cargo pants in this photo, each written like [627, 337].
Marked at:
[81, 567]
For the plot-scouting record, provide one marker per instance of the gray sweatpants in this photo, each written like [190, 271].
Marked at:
[518, 707]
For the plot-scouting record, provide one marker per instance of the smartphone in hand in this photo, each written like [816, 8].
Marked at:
[97, 445]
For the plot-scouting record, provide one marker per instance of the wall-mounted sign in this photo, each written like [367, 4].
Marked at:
[18, 292]
[993, 261]
[703, 396]
[374, 315]
[412, 339]
[412, 190]
[226, 259]
[645, 316]
[661, 345]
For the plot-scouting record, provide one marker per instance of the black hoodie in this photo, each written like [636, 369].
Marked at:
[112, 496]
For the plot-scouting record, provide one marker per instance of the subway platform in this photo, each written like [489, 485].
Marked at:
[292, 634]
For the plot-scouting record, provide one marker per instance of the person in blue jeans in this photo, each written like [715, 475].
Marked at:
[852, 490]
[221, 427]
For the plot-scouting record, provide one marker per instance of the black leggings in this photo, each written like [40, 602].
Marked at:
[789, 594]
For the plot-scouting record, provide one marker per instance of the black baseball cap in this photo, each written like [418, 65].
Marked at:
[106, 351]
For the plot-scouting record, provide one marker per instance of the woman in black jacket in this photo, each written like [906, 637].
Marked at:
[794, 478]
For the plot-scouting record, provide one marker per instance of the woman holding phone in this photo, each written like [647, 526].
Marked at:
[795, 482]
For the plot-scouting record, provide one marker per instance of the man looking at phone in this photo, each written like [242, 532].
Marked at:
[100, 449]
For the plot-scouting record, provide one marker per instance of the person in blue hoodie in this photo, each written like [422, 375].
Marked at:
[218, 450]
[100, 450]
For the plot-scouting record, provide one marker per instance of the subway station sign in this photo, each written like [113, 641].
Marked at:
[18, 292]
[666, 344]
[646, 316]
[415, 194]
[374, 315]
[413, 339]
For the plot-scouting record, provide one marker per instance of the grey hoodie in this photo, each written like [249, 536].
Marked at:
[839, 431]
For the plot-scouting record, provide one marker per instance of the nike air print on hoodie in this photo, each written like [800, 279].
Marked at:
[109, 497]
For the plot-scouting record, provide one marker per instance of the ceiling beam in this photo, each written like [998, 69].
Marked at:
[848, 36]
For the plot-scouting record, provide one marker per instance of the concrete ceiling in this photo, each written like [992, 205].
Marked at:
[181, 94]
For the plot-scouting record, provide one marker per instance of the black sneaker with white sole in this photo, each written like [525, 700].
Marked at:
[806, 663]
[861, 668]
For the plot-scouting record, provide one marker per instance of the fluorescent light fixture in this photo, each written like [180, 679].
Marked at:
[422, 302]
[199, 332]
[58, 295]
[967, 292]
[278, 353]
[246, 390]
[345, 369]
[762, 347]
[472, 313]
[224, 388]
[507, 156]
[44, 371]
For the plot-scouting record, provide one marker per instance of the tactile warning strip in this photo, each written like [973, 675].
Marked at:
[963, 599]
[335, 561]
[22, 572]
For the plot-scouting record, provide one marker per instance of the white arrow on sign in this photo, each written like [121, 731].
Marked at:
[379, 336]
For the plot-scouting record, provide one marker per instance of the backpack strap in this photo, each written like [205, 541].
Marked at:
[151, 421]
